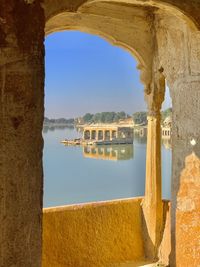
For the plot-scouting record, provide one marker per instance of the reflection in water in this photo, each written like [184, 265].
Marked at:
[52, 128]
[140, 139]
[71, 178]
[109, 152]
[167, 142]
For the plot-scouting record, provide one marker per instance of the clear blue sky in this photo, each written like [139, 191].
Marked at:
[84, 73]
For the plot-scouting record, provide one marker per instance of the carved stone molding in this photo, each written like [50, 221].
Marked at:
[156, 94]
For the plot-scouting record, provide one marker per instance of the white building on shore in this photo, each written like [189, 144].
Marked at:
[167, 128]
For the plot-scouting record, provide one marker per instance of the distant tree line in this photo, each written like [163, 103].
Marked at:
[141, 117]
[105, 117]
[166, 113]
[58, 121]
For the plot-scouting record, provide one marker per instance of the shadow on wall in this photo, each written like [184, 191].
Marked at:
[163, 248]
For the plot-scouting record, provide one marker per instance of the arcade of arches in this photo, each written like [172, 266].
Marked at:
[164, 36]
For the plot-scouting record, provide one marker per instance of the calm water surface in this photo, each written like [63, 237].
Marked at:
[77, 175]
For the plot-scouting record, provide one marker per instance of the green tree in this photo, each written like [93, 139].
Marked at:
[105, 117]
[140, 117]
[166, 113]
[88, 117]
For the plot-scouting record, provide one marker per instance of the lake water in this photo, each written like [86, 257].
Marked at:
[77, 175]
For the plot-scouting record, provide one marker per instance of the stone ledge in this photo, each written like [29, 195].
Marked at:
[140, 264]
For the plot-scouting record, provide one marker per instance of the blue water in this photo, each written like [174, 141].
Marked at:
[70, 177]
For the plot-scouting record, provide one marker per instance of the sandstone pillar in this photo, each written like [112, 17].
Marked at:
[153, 193]
[104, 135]
[152, 205]
[97, 135]
[21, 122]
[111, 135]
[117, 134]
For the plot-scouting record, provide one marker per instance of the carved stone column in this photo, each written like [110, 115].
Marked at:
[96, 136]
[117, 134]
[152, 205]
[84, 136]
[111, 135]
[104, 135]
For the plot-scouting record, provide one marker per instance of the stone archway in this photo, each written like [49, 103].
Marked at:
[154, 24]
[173, 46]
[188, 12]
[152, 75]
[98, 25]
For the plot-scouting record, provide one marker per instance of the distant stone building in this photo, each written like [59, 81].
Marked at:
[127, 121]
[141, 130]
[108, 133]
[79, 120]
[166, 128]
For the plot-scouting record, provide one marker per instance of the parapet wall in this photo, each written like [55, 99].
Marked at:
[92, 235]
[99, 234]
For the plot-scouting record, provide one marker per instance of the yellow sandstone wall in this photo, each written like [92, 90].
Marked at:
[188, 214]
[92, 235]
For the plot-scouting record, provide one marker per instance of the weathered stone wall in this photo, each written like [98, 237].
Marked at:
[179, 54]
[188, 214]
[21, 118]
[93, 235]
